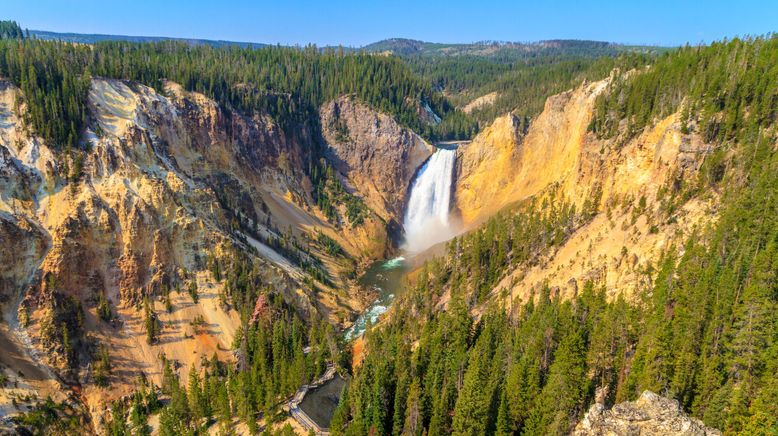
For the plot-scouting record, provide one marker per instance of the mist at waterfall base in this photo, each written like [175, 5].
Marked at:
[427, 219]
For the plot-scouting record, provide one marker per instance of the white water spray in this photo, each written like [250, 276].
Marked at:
[426, 218]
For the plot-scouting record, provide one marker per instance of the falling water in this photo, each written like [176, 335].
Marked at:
[426, 218]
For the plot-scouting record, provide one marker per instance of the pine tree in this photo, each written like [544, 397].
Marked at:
[563, 396]
[340, 417]
[149, 321]
[504, 425]
[102, 367]
[104, 308]
[193, 291]
[169, 378]
[117, 426]
[66, 345]
[472, 407]
[412, 419]
[196, 398]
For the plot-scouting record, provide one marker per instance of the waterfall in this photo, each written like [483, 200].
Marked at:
[426, 218]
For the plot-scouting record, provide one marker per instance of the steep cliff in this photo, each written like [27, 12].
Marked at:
[377, 155]
[625, 187]
[506, 162]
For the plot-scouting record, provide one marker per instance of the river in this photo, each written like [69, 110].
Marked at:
[385, 278]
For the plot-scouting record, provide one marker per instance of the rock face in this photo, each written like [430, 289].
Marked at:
[624, 184]
[480, 102]
[378, 157]
[486, 170]
[162, 187]
[23, 246]
[506, 162]
[648, 415]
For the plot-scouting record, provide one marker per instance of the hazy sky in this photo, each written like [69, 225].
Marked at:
[355, 23]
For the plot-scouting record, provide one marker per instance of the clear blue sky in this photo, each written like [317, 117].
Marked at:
[354, 23]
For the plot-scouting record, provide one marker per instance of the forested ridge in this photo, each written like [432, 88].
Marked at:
[727, 87]
[505, 52]
[291, 83]
[706, 334]
[522, 76]
[287, 83]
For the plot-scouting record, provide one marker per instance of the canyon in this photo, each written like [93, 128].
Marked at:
[169, 183]
[172, 188]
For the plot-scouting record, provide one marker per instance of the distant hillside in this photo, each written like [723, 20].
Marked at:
[508, 51]
[85, 38]
[517, 76]
[495, 50]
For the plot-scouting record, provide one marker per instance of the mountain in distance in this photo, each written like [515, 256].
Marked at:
[506, 49]
[92, 38]
[397, 46]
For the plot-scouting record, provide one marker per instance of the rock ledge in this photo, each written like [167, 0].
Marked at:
[650, 414]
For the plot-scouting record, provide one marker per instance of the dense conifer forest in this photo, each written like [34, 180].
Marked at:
[728, 87]
[291, 83]
[522, 78]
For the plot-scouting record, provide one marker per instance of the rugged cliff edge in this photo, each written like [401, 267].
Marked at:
[648, 415]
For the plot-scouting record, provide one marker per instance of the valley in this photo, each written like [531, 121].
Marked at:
[561, 237]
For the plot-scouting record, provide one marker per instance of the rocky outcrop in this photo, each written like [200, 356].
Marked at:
[648, 415]
[378, 157]
[480, 102]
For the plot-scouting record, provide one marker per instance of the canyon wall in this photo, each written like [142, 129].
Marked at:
[626, 184]
[166, 181]
[378, 156]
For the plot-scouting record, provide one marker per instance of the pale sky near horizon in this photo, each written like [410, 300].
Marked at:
[352, 23]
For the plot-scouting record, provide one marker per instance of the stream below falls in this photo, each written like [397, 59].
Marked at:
[385, 277]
